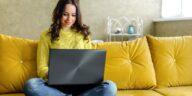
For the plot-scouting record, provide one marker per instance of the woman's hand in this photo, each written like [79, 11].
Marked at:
[46, 75]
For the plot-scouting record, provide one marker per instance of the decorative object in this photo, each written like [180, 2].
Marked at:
[118, 31]
[123, 28]
[131, 29]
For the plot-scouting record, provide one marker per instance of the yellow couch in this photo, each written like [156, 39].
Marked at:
[148, 66]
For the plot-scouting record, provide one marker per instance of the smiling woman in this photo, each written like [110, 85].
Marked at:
[69, 16]
[66, 32]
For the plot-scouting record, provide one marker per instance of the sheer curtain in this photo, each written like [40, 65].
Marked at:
[176, 8]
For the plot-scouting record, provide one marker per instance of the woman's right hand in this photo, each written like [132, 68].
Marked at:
[46, 75]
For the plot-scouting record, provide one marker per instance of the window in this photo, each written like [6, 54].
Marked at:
[176, 8]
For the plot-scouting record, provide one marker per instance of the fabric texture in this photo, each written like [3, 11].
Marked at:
[175, 91]
[17, 63]
[172, 60]
[129, 64]
[69, 39]
[13, 94]
[138, 93]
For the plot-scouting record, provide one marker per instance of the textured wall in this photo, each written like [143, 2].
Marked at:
[27, 18]
[173, 28]
[95, 13]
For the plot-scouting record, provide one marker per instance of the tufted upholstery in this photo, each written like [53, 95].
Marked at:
[17, 63]
[175, 91]
[129, 64]
[13, 94]
[172, 58]
[138, 93]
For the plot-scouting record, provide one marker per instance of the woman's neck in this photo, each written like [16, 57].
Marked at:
[65, 28]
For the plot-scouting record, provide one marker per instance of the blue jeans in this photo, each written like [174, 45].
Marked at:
[38, 87]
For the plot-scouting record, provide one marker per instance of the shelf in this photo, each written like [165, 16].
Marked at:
[122, 26]
[125, 34]
[122, 37]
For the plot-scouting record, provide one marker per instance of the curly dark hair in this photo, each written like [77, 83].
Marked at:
[56, 20]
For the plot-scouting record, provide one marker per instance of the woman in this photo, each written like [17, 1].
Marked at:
[67, 32]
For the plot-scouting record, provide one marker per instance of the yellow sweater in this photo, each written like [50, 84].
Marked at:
[68, 39]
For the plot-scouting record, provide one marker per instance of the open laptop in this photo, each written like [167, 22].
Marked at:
[76, 66]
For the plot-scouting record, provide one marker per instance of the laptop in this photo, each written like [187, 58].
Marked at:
[76, 66]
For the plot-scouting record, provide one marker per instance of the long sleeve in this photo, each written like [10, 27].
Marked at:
[43, 56]
[87, 43]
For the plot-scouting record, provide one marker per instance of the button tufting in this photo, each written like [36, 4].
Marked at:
[129, 61]
[21, 61]
[174, 60]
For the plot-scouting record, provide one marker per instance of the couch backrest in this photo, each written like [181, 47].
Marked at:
[17, 63]
[172, 58]
[129, 64]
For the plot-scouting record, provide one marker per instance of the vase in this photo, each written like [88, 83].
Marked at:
[131, 29]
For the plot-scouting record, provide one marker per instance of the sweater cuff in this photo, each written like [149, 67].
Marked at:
[43, 72]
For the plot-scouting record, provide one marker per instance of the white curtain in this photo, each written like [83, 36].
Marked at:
[176, 8]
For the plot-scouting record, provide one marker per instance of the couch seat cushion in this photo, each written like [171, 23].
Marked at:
[172, 58]
[17, 63]
[14, 94]
[137, 93]
[176, 91]
[129, 64]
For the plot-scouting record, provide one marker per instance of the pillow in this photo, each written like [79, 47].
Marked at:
[17, 63]
[172, 58]
[129, 64]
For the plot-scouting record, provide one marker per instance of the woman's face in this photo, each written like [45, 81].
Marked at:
[69, 16]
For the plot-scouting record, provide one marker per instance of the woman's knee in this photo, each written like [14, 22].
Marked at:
[110, 86]
[33, 84]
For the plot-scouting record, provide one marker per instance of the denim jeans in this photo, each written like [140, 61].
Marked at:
[38, 87]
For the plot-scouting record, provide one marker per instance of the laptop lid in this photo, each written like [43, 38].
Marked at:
[76, 66]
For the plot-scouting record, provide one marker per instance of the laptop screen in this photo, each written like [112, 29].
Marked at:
[76, 66]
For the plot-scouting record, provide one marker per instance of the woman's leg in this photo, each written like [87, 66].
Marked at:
[37, 87]
[106, 88]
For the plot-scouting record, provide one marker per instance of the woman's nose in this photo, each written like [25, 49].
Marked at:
[69, 17]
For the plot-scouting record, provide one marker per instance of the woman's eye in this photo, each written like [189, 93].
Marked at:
[65, 14]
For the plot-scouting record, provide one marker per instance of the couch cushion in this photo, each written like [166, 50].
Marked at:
[176, 91]
[129, 64]
[137, 93]
[17, 62]
[172, 57]
[14, 94]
